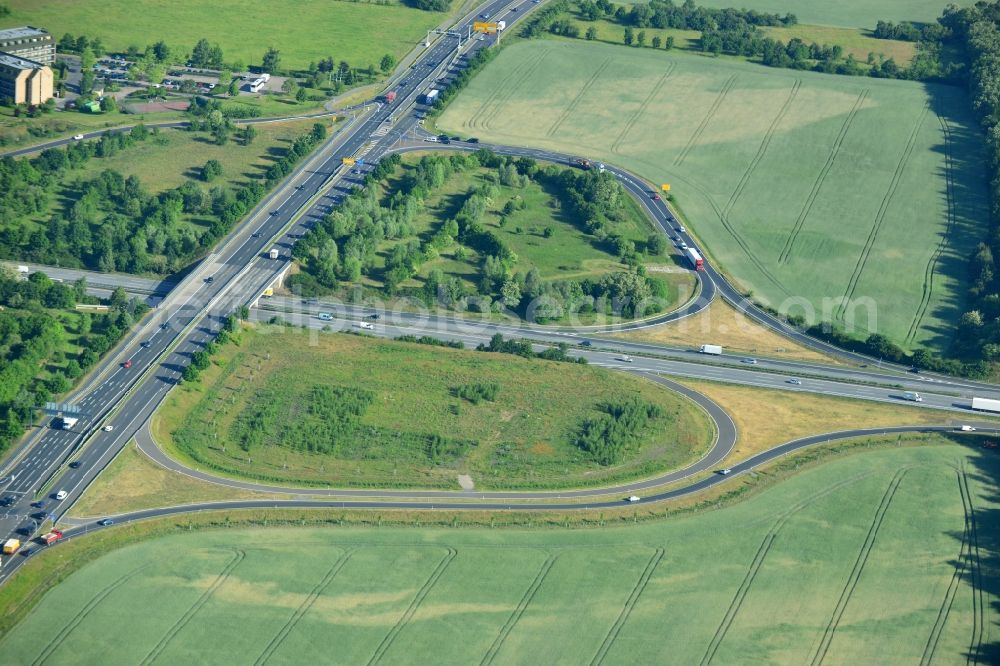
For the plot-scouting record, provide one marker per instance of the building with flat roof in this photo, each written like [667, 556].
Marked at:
[24, 81]
[29, 42]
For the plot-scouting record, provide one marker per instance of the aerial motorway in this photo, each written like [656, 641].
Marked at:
[117, 401]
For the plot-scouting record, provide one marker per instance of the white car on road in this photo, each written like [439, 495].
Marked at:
[61, 495]
[634, 498]
[78, 137]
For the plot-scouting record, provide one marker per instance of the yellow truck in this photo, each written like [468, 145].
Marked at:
[11, 546]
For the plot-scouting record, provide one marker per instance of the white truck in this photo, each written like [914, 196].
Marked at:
[715, 350]
[912, 396]
[273, 253]
[501, 25]
[367, 326]
[986, 405]
[431, 95]
[67, 422]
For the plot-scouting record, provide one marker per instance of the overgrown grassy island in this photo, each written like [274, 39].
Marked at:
[350, 411]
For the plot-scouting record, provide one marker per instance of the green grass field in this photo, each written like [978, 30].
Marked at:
[848, 13]
[303, 30]
[806, 188]
[865, 559]
[523, 438]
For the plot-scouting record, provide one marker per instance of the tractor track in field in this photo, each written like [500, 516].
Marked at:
[94, 602]
[522, 605]
[931, 269]
[962, 565]
[576, 99]
[153, 654]
[859, 566]
[897, 175]
[712, 110]
[630, 603]
[980, 607]
[505, 94]
[762, 150]
[300, 612]
[487, 104]
[831, 158]
[765, 547]
[750, 255]
[634, 118]
[425, 589]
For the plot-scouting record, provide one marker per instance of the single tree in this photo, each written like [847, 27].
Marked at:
[211, 170]
[272, 60]
[629, 36]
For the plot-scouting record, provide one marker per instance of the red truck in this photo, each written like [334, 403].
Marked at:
[51, 537]
[697, 262]
[390, 96]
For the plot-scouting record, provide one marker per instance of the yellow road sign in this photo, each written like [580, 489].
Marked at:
[349, 161]
[665, 187]
[489, 28]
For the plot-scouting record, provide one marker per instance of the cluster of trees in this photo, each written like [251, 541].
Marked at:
[478, 392]
[110, 222]
[344, 244]
[201, 359]
[909, 32]
[522, 348]
[610, 436]
[34, 364]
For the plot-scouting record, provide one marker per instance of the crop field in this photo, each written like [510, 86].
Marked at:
[882, 557]
[848, 13]
[257, 414]
[303, 30]
[811, 191]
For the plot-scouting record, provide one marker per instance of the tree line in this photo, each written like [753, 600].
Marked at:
[977, 28]
[737, 32]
